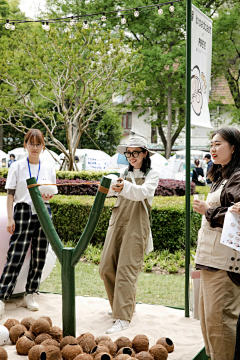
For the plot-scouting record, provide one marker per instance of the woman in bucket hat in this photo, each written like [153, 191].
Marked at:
[129, 234]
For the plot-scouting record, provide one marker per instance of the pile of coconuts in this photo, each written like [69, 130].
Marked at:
[40, 340]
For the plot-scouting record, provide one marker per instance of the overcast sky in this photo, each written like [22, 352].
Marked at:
[32, 7]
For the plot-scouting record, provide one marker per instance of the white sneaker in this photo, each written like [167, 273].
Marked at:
[119, 325]
[30, 303]
[2, 308]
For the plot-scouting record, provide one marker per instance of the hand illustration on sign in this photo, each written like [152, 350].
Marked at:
[198, 87]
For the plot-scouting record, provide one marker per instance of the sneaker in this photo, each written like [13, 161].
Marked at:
[119, 325]
[2, 308]
[30, 303]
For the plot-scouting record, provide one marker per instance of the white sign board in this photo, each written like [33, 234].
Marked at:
[93, 163]
[201, 59]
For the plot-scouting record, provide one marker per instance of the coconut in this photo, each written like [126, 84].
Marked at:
[56, 333]
[99, 349]
[47, 318]
[123, 342]
[123, 357]
[4, 335]
[111, 345]
[40, 326]
[53, 352]
[167, 343]
[10, 322]
[29, 334]
[41, 337]
[87, 342]
[70, 351]
[159, 352]
[3, 354]
[50, 342]
[126, 350]
[16, 331]
[27, 322]
[35, 352]
[103, 356]
[68, 340]
[23, 345]
[140, 343]
[144, 355]
[83, 356]
[103, 337]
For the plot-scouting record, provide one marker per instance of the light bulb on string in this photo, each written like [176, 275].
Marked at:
[12, 26]
[43, 25]
[85, 24]
[123, 20]
[136, 12]
[160, 11]
[7, 25]
[72, 21]
[171, 8]
[47, 26]
[103, 18]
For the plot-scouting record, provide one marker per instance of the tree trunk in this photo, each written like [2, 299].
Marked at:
[169, 126]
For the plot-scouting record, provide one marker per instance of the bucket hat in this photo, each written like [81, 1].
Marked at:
[135, 141]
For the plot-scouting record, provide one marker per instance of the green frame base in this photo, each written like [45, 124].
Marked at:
[201, 355]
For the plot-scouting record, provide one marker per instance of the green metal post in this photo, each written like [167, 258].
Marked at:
[188, 150]
[68, 294]
[45, 220]
[92, 222]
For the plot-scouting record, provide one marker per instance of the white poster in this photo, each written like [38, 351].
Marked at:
[201, 59]
[93, 163]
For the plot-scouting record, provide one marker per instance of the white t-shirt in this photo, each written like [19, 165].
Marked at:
[18, 173]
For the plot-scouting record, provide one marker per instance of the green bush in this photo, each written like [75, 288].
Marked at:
[70, 215]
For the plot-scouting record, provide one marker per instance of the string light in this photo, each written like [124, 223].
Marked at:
[103, 18]
[12, 26]
[160, 11]
[72, 21]
[85, 24]
[7, 25]
[136, 12]
[47, 26]
[43, 25]
[171, 8]
[123, 20]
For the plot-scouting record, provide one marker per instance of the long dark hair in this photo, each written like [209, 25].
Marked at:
[232, 136]
[146, 164]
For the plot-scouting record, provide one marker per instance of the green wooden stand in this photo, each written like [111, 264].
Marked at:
[68, 257]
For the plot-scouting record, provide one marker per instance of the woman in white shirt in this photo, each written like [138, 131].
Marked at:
[23, 223]
[129, 233]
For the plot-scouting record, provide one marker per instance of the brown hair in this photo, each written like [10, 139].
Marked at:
[196, 162]
[35, 135]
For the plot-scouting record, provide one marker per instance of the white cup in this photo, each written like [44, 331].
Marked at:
[199, 197]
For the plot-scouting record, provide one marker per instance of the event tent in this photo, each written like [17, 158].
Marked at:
[90, 159]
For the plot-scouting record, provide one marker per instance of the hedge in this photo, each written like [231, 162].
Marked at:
[70, 215]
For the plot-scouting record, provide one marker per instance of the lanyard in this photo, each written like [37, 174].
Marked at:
[30, 169]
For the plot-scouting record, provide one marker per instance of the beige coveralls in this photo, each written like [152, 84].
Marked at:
[219, 296]
[123, 254]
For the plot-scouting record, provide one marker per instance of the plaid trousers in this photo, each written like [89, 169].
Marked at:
[27, 230]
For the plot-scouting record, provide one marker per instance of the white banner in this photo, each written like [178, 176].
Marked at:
[201, 59]
[93, 163]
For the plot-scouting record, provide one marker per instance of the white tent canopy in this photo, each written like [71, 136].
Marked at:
[91, 159]
[46, 155]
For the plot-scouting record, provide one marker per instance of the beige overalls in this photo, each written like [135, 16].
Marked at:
[123, 254]
[219, 303]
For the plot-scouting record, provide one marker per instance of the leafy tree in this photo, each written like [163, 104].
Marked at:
[62, 80]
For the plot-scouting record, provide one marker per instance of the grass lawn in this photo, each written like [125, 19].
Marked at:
[152, 288]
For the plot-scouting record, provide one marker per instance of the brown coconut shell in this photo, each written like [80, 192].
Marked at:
[40, 326]
[23, 345]
[159, 352]
[3, 354]
[126, 350]
[100, 338]
[123, 342]
[35, 352]
[15, 331]
[111, 345]
[50, 342]
[53, 352]
[68, 340]
[87, 342]
[10, 322]
[70, 351]
[56, 333]
[140, 343]
[144, 355]
[123, 357]
[100, 349]
[41, 337]
[48, 319]
[29, 334]
[103, 356]
[167, 343]
[27, 322]
[83, 356]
